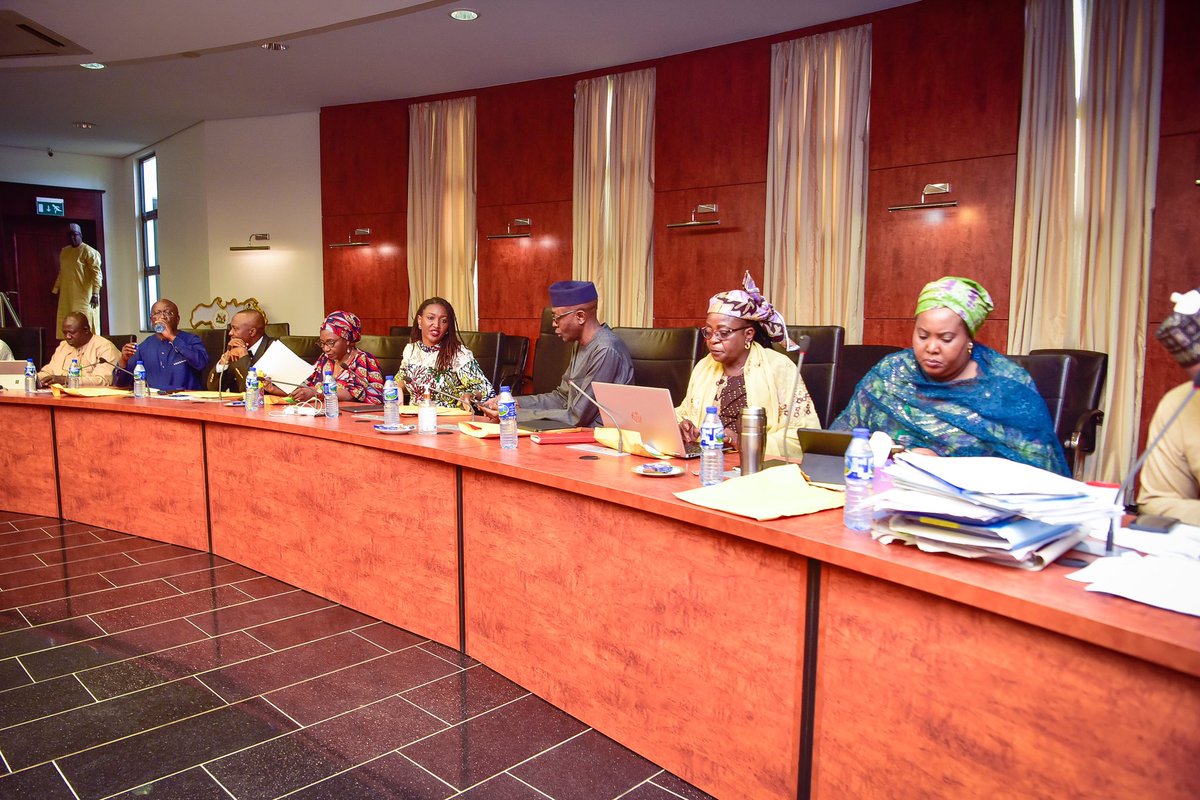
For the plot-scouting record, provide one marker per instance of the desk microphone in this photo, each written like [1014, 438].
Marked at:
[802, 345]
[1128, 482]
[103, 360]
[612, 416]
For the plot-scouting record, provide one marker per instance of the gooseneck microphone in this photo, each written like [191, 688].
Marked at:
[612, 416]
[1128, 482]
[117, 367]
[802, 344]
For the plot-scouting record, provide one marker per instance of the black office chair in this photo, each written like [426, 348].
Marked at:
[307, 347]
[1071, 382]
[277, 330]
[820, 364]
[661, 357]
[25, 343]
[514, 356]
[855, 362]
[551, 357]
[388, 351]
[486, 347]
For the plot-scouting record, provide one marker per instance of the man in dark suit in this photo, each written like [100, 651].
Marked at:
[246, 346]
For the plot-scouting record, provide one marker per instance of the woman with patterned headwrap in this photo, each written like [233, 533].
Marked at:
[356, 372]
[742, 369]
[952, 395]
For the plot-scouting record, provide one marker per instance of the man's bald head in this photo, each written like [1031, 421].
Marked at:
[247, 325]
[77, 332]
[74, 234]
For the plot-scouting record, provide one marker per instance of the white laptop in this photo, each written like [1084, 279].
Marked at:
[647, 410]
[12, 376]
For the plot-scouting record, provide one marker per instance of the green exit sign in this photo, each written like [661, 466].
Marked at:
[51, 207]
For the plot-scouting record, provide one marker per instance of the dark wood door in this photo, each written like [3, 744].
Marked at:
[36, 242]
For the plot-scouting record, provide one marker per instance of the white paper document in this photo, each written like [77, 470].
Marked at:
[1169, 582]
[283, 366]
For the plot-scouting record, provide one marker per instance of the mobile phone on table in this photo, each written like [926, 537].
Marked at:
[1153, 523]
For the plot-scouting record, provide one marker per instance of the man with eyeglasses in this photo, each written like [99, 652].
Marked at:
[173, 359]
[600, 355]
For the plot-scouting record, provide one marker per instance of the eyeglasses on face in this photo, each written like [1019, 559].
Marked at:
[554, 320]
[328, 344]
[720, 334]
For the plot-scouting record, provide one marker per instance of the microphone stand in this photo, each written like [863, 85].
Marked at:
[596, 403]
[802, 344]
[1127, 484]
[118, 368]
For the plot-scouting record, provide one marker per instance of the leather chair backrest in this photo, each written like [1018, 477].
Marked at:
[855, 362]
[550, 361]
[27, 343]
[547, 321]
[388, 351]
[486, 347]
[214, 345]
[400, 330]
[662, 357]
[514, 356]
[1055, 375]
[277, 330]
[1091, 371]
[820, 364]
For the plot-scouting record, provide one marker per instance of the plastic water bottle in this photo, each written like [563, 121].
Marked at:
[253, 395]
[860, 475]
[139, 380]
[391, 402]
[73, 374]
[507, 406]
[712, 448]
[30, 376]
[329, 390]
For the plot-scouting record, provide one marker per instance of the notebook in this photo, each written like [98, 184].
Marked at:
[12, 376]
[647, 410]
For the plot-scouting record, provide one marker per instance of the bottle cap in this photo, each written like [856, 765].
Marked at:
[504, 389]
[710, 410]
[861, 433]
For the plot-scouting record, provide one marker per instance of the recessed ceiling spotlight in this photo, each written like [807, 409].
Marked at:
[464, 14]
[92, 65]
[274, 47]
[87, 126]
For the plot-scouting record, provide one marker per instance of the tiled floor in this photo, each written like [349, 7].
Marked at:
[130, 668]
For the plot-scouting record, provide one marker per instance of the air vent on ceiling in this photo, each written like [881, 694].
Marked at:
[22, 37]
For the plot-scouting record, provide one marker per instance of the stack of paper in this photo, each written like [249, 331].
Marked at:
[986, 508]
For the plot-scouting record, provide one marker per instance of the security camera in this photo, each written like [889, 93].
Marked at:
[50, 152]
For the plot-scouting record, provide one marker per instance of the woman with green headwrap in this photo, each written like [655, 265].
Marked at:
[950, 394]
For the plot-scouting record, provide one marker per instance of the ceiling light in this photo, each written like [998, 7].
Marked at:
[87, 126]
[92, 65]
[464, 14]
[274, 47]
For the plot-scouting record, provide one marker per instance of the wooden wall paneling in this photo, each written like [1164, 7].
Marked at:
[136, 473]
[711, 117]
[907, 249]
[524, 142]
[1181, 69]
[918, 696]
[364, 158]
[27, 450]
[1173, 263]
[514, 274]
[693, 264]
[371, 529]
[660, 664]
[898, 331]
[946, 81]
[370, 281]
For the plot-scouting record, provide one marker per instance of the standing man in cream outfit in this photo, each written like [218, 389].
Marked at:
[80, 277]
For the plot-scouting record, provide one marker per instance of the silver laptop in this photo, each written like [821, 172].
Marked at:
[12, 376]
[647, 410]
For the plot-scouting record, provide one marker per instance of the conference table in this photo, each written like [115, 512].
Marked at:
[781, 659]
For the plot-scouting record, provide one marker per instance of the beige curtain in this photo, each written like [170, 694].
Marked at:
[815, 252]
[441, 206]
[613, 208]
[1083, 283]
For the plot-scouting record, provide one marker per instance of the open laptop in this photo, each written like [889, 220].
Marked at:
[12, 376]
[647, 410]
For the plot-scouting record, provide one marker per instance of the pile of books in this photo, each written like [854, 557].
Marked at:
[986, 508]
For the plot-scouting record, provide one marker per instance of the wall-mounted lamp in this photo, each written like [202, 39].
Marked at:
[255, 237]
[519, 222]
[703, 208]
[355, 239]
[930, 188]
